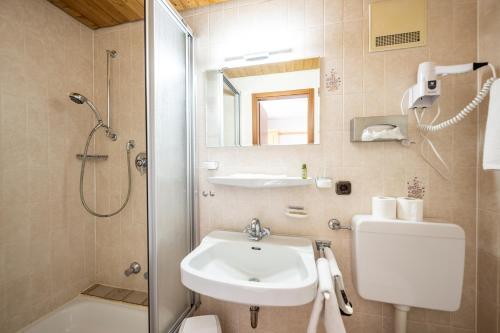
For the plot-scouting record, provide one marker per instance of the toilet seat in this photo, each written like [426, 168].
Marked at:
[201, 324]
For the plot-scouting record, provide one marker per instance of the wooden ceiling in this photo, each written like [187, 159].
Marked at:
[181, 5]
[97, 14]
[106, 13]
[273, 68]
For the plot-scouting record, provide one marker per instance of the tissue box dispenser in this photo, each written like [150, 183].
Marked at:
[379, 128]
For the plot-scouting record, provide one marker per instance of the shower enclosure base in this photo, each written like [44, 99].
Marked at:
[118, 294]
[86, 314]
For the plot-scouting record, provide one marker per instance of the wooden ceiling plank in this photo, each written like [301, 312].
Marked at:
[80, 18]
[105, 13]
[75, 13]
[202, 3]
[136, 6]
[177, 4]
[273, 68]
[88, 9]
[111, 8]
[119, 9]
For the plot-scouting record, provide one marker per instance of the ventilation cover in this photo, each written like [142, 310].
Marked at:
[397, 24]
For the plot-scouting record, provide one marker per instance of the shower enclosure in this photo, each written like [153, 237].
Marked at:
[171, 185]
[112, 262]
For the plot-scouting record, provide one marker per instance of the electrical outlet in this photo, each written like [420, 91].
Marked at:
[343, 187]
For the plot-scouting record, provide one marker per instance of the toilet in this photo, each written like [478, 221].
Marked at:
[201, 324]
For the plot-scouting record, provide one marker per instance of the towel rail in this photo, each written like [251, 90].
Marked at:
[345, 305]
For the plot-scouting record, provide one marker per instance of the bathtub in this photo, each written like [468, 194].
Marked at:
[86, 314]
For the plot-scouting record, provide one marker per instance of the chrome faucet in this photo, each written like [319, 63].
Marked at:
[255, 231]
[134, 268]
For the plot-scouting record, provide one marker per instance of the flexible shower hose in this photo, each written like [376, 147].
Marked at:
[82, 174]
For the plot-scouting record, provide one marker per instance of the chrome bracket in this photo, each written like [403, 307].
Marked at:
[321, 244]
[335, 224]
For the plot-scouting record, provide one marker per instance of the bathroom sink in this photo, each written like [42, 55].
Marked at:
[276, 271]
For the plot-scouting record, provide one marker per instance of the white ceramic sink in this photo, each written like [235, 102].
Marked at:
[276, 271]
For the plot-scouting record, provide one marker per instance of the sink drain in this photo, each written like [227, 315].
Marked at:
[254, 280]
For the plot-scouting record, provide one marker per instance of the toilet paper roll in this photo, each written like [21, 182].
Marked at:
[410, 209]
[384, 207]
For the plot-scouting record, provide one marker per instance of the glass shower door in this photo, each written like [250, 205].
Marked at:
[170, 154]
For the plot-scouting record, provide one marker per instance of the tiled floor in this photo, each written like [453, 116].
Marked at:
[117, 294]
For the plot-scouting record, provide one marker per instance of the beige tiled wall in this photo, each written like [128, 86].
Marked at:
[50, 247]
[47, 249]
[489, 185]
[372, 84]
[44, 54]
[122, 238]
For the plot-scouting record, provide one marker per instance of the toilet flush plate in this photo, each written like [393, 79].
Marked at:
[276, 271]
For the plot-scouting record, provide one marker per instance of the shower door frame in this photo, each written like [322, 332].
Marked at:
[192, 174]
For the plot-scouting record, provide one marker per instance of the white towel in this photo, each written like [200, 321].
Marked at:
[491, 153]
[331, 314]
[333, 319]
[332, 261]
[312, 327]
[325, 283]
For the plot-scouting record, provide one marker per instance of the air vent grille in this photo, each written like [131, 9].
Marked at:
[397, 24]
[398, 39]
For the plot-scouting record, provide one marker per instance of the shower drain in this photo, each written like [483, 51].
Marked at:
[254, 280]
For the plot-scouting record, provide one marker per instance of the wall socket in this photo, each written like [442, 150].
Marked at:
[343, 187]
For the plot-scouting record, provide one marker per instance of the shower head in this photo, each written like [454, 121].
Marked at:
[77, 98]
[80, 99]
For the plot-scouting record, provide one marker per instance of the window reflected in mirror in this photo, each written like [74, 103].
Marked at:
[266, 104]
[283, 117]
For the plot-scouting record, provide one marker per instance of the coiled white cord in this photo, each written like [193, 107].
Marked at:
[419, 114]
[465, 111]
[425, 139]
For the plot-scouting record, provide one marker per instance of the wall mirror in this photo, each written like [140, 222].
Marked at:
[265, 104]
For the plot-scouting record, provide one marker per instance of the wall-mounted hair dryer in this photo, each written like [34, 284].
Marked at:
[427, 90]
[428, 87]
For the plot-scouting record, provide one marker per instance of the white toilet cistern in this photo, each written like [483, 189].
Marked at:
[408, 264]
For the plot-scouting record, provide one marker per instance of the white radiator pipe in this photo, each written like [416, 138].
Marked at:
[400, 318]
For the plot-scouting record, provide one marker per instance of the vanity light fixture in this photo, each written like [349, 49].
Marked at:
[258, 55]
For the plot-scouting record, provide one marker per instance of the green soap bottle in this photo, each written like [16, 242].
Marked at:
[304, 171]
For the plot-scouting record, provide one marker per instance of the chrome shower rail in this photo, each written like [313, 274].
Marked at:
[110, 54]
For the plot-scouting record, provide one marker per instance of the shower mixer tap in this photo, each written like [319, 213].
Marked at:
[134, 268]
[141, 163]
